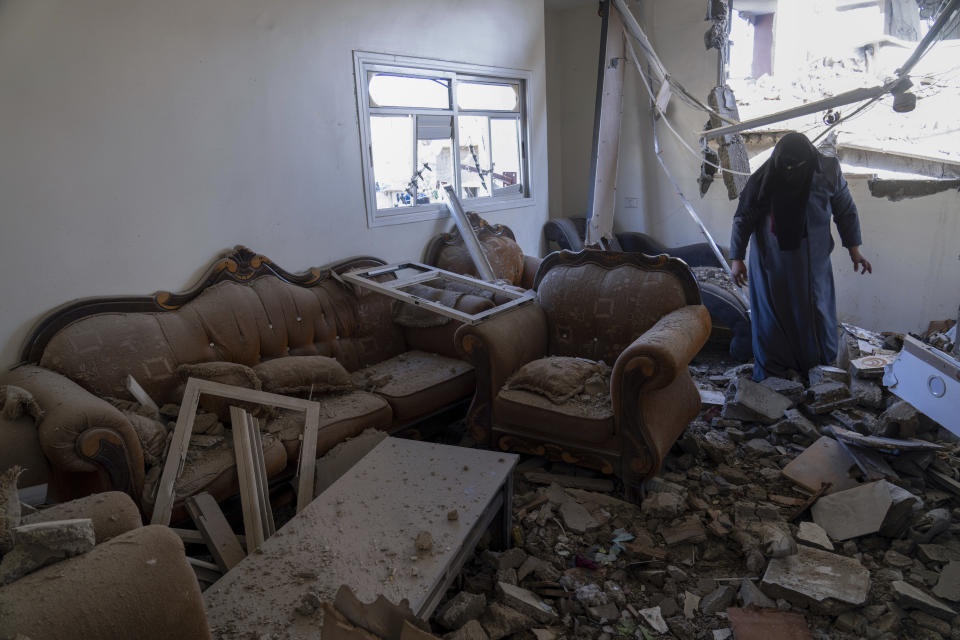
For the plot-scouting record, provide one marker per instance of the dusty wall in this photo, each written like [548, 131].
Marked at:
[912, 243]
[138, 138]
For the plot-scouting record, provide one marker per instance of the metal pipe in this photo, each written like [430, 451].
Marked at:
[848, 97]
[469, 237]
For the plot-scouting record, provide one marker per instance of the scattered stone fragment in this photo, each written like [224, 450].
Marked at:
[689, 530]
[851, 622]
[473, 630]
[527, 603]
[544, 634]
[669, 607]
[826, 392]
[576, 517]
[897, 560]
[813, 535]
[900, 420]
[759, 447]
[424, 541]
[461, 609]
[815, 575]
[691, 603]
[718, 600]
[663, 504]
[43, 543]
[717, 446]
[928, 621]
[824, 373]
[654, 618]
[752, 401]
[948, 586]
[790, 389]
[825, 461]
[936, 553]
[722, 634]
[930, 525]
[867, 393]
[777, 541]
[869, 508]
[910, 597]
[751, 596]
[500, 621]
[604, 613]
[453, 515]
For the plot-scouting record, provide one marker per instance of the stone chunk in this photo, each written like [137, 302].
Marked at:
[717, 446]
[654, 618]
[900, 420]
[824, 373]
[870, 508]
[827, 392]
[43, 543]
[424, 542]
[663, 504]
[812, 575]
[823, 461]
[909, 597]
[759, 447]
[473, 630]
[690, 530]
[867, 393]
[813, 535]
[461, 609]
[577, 518]
[500, 621]
[510, 559]
[751, 401]
[527, 603]
[718, 600]
[948, 586]
[790, 389]
[751, 596]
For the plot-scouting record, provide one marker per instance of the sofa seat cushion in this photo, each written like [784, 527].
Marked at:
[559, 378]
[230, 373]
[417, 383]
[212, 468]
[584, 420]
[299, 375]
[342, 416]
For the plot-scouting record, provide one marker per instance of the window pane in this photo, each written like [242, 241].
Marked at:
[391, 142]
[474, 157]
[406, 91]
[435, 157]
[505, 146]
[487, 97]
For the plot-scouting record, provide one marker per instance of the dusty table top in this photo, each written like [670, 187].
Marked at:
[361, 532]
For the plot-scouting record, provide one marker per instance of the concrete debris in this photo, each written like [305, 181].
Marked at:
[751, 401]
[910, 597]
[718, 600]
[751, 596]
[473, 630]
[790, 389]
[424, 542]
[461, 609]
[500, 621]
[813, 535]
[812, 576]
[577, 518]
[948, 582]
[823, 462]
[870, 508]
[527, 603]
[41, 544]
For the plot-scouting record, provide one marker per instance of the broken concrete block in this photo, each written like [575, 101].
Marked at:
[473, 630]
[654, 618]
[900, 420]
[790, 389]
[813, 576]
[823, 461]
[826, 392]
[823, 373]
[751, 596]
[813, 535]
[512, 558]
[689, 530]
[867, 393]
[777, 541]
[871, 366]
[604, 613]
[461, 609]
[691, 603]
[751, 401]
[948, 584]
[718, 600]
[43, 543]
[759, 447]
[500, 621]
[909, 597]
[663, 504]
[527, 603]
[577, 518]
[424, 542]
[936, 553]
[717, 445]
[800, 423]
[870, 508]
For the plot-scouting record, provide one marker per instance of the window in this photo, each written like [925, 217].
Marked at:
[425, 124]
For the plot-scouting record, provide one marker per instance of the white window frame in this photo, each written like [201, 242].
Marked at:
[365, 62]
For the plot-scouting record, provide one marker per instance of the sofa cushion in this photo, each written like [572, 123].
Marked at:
[112, 513]
[299, 375]
[342, 416]
[417, 383]
[503, 253]
[231, 373]
[558, 378]
[588, 420]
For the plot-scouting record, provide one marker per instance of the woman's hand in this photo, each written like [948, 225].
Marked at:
[859, 262]
[739, 271]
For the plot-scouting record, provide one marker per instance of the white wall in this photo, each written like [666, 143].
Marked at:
[913, 244]
[140, 138]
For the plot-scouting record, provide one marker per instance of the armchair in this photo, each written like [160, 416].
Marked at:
[639, 314]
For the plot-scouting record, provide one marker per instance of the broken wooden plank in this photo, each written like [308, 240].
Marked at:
[140, 395]
[189, 536]
[215, 531]
[260, 473]
[307, 468]
[249, 498]
[572, 482]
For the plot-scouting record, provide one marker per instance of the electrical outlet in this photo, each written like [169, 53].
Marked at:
[631, 203]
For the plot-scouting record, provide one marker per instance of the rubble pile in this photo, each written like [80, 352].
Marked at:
[821, 504]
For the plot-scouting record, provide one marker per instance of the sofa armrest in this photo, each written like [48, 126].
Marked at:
[530, 266]
[664, 350]
[81, 433]
[497, 347]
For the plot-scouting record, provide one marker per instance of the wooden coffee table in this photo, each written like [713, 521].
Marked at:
[361, 532]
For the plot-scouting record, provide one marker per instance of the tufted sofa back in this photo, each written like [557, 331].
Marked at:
[596, 311]
[230, 321]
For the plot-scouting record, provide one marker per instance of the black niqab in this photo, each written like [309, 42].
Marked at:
[785, 187]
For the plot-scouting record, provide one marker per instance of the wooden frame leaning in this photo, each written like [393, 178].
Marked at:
[177, 454]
